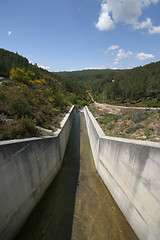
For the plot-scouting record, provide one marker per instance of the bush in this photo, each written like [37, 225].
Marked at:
[26, 101]
[73, 99]
[19, 128]
[147, 132]
[110, 126]
[134, 129]
[20, 75]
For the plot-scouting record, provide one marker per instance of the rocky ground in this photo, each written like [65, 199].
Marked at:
[141, 124]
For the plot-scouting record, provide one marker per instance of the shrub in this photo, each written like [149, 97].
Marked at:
[20, 75]
[73, 99]
[147, 132]
[110, 126]
[134, 129]
[19, 128]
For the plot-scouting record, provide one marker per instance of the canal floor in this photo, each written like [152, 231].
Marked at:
[77, 205]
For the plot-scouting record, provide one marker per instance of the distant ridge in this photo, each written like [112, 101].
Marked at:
[140, 85]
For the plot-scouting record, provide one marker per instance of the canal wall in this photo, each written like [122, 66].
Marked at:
[131, 171]
[27, 167]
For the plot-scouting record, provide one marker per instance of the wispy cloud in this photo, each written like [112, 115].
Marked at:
[91, 68]
[143, 56]
[154, 30]
[148, 24]
[143, 24]
[127, 11]
[41, 66]
[111, 48]
[9, 33]
[122, 54]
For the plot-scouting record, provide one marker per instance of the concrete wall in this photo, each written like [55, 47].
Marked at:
[131, 171]
[27, 167]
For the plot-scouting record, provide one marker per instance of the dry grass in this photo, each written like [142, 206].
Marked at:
[128, 123]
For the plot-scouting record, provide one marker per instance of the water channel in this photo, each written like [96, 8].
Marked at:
[77, 205]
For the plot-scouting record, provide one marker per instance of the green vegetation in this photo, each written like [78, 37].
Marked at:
[29, 99]
[79, 100]
[134, 124]
[32, 96]
[9, 60]
[139, 86]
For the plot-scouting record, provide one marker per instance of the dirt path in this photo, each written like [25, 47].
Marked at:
[120, 107]
[123, 107]
[77, 205]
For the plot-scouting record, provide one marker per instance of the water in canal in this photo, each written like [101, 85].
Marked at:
[77, 205]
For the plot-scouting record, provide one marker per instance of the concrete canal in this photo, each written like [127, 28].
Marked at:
[77, 205]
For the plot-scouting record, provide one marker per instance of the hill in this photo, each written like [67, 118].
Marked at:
[9, 60]
[30, 98]
[81, 81]
[140, 86]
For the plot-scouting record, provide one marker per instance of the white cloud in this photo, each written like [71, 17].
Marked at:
[9, 33]
[147, 24]
[122, 54]
[113, 68]
[143, 56]
[47, 68]
[116, 62]
[154, 30]
[113, 47]
[91, 68]
[128, 11]
[143, 24]
[105, 22]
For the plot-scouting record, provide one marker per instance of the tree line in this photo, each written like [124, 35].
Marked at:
[140, 85]
[9, 60]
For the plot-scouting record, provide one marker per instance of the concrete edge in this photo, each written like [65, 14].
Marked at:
[141, 229]
[133, 141]
[101, 134]
[37, 182]
[97, 127]
[62, 124]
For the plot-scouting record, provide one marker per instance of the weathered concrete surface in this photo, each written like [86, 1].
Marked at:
[27, 167]
[130, 169]
[96, 215]
[53, 216]
[77, 205]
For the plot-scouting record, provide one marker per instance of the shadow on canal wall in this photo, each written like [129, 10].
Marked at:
[56, 209]
[130, 170]
[27, 167]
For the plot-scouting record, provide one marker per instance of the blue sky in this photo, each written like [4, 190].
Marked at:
[82, 34]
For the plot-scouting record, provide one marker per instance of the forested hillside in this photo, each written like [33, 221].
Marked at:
[9, 60]
[140, 86]
[81, 81]
[30, 98]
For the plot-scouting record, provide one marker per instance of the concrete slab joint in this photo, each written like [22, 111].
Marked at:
[130, 170]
